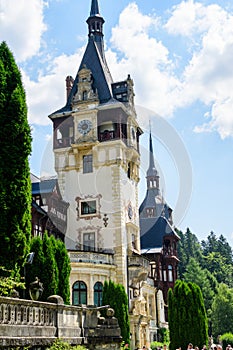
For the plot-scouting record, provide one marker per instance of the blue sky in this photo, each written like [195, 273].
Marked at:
[179, 54]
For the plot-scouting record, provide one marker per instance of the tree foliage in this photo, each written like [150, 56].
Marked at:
[10, 281]
[203, 278]
[64, 269]
[222, 311]
[15, 145]
[188, 247]
[186, 316]
[209, 266]
[51, 265]
[115, 296]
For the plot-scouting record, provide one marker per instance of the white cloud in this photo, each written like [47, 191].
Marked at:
[146, 59]
[190, 18]
[48, 94]
[208, 76]
[22, 26]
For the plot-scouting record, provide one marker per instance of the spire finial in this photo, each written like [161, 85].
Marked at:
[152, 173]
[94, 8]
[152, 162]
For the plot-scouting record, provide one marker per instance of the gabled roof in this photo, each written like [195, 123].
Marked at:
[153, 231]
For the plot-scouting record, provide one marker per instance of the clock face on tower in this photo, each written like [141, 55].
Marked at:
[84, 126]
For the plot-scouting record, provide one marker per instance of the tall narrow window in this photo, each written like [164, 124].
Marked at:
[98, 293]
[89, 242]
[164, 274]
[79, 294]
[170, 277]
[87, 164]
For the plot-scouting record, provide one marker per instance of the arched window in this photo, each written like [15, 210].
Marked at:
[98, 293]
[79, 295]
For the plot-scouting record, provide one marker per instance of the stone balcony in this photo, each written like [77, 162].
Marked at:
[138, 267]
[91, 257]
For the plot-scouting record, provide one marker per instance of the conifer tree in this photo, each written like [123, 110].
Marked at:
[115, 296]
[37, 267]
[64, 268]
[186, 316]
[50, 270]
[51, 264]
[15, 146]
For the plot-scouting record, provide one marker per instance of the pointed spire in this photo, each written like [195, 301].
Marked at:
[94, 8]
[95, 26]
[151, 170]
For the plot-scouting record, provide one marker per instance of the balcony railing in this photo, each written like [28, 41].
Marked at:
[37, 324]
[91, 257]
[138, 261]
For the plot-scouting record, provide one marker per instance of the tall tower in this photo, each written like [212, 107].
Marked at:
[96, 150]
[158, 237]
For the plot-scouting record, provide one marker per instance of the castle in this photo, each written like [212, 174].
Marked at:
[93, 205]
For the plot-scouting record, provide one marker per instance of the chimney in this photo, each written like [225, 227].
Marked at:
[69, 85]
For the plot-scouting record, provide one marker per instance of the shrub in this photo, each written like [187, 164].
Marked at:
[225, 339]
[156, 344]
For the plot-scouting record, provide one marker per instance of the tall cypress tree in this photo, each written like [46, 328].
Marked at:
[64, 268]
[115, 296]
[37, 267]
[186, 316]
[15, 147]
[50, 269]
[51, 264]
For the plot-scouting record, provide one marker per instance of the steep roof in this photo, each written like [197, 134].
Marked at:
[93, 59]
[153, 231]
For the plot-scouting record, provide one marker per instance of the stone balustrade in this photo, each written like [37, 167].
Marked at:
[91, 257]
[38, 324]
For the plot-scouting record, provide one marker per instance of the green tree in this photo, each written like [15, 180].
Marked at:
[204, 279]
[222, 311]
[219, 267]
[217, 245]
[15, 145]
[63, 264]
[50, 271]
[115, 296]
[51, 264]
[188, 247]
[37, 267]
[10, 281]
[186, 316]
